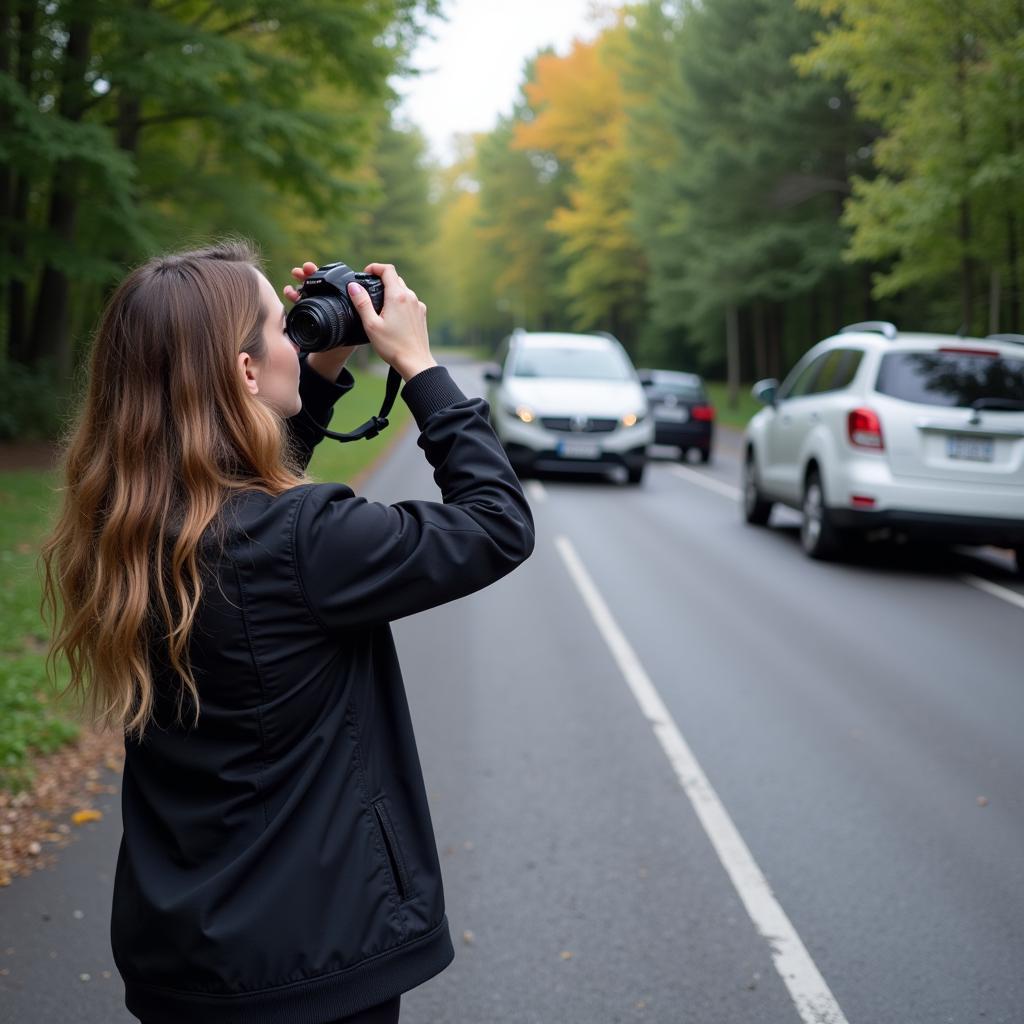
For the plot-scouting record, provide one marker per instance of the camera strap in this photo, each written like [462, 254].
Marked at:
[375, 424]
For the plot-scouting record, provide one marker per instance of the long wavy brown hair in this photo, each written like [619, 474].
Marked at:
[166, 431]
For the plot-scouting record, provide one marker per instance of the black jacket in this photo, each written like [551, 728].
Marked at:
[278, 863]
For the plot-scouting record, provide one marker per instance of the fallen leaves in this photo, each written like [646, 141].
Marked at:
[35, 823]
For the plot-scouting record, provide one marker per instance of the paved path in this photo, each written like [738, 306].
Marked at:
[846, 717]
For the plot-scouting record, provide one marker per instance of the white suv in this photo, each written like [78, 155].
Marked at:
[919, 434]
[569, 402]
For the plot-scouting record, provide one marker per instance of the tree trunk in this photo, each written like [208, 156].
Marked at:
[964, 227]
[966, 270]
[18, 347]
[732, 355]
[760, 342]
[778, 327]
[993, 301]
[867, 298]
[815, 313]
[50, 335]
[1013, 258]
[838, 300]
[129, 112]
[6, 172]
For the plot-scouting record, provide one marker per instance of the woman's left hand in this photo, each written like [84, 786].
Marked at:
[330, 362]
[300, 274]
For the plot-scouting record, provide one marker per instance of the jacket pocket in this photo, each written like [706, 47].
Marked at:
[396, 861]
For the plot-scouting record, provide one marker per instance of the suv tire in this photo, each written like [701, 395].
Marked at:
[819, 536]
[635, 474]
[1019, 556]
[756, 509]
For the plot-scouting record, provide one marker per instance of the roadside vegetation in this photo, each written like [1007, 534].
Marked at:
[722, 183]
[737, 415]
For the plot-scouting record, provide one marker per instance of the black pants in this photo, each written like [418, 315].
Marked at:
[383, 1013]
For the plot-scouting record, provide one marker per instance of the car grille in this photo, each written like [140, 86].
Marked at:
[579, 424]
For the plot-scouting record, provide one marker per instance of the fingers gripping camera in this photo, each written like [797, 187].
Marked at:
[324, 316]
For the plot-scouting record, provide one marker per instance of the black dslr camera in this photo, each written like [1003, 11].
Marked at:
[324, 317]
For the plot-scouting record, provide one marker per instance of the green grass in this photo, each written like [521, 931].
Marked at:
[738, 417]
[31, 721]
[333, 461]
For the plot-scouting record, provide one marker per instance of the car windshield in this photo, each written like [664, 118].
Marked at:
[659, 390]
[950, 378]
[573, 363]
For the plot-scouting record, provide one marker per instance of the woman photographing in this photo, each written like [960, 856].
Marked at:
[278, 863]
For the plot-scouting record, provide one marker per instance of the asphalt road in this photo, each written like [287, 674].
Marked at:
[857, 726]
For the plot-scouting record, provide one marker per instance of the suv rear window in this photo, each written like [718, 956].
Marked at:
[683, 392]
[950, 378]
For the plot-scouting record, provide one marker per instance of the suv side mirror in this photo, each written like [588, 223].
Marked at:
[766, 391]
[492, 372]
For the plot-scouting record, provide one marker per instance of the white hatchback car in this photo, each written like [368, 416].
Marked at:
[569, 402]
[918, 434]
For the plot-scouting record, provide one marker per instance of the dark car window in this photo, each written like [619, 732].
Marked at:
[800, 382]
[681, 391]
[838, 368]
[572, 363]
[950, 378]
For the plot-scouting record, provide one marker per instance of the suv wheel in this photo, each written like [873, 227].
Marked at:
[756, 510]
[635, 474]
[1019, 553]
[818, 535]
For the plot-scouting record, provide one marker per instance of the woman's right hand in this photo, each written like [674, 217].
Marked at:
[398, 333]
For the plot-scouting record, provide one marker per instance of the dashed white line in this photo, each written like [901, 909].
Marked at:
[536, 490]
[807, 988]
[1003, 593]
[709, 482]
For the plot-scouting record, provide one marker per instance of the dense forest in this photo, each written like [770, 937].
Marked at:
[718, 183]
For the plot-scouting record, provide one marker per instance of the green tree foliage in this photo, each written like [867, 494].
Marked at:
[519, 193]
[393, 219]
[580, 124]
[128, 125]
[747, 215]
[945, 80]
[462, 303]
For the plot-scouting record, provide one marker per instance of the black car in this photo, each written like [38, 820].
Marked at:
[683, 414]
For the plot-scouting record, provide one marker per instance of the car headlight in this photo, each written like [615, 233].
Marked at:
[631, 419]
[523, 413]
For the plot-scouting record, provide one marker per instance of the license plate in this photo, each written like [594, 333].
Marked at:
[578, 450]
[672, 414]
[972, 449]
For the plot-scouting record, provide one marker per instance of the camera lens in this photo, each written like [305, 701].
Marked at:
[317, 323]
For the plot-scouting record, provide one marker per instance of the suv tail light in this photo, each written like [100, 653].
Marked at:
[703, 412]
[864, 429]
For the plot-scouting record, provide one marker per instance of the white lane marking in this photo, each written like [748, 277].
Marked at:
[1004, 593]
[535, 489]
[811, 995]
[718, 486]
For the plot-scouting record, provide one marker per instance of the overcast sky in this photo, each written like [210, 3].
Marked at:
[473, 66]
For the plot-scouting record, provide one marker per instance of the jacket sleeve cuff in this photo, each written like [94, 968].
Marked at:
[430, 391]
[318, 392]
